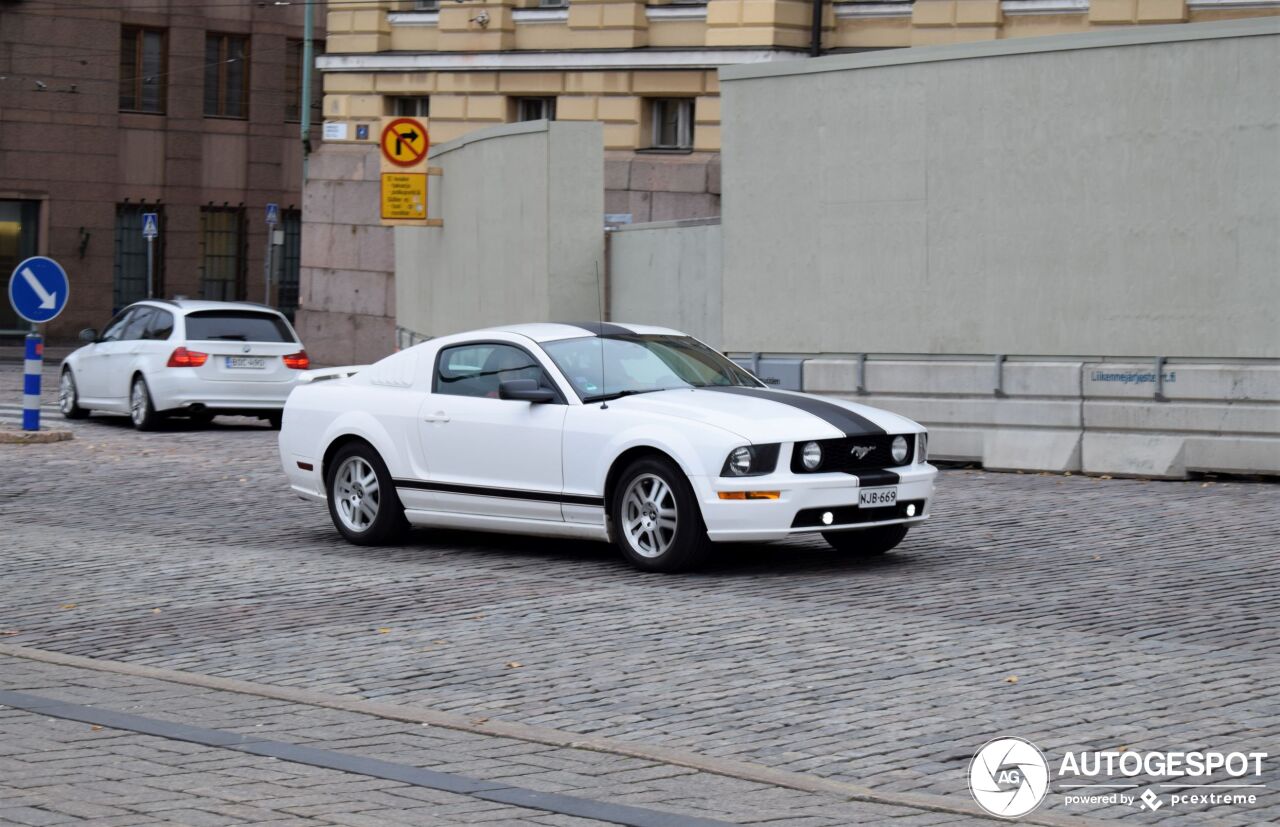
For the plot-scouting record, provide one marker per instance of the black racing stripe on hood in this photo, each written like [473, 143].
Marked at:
[601, 328]
[850, 423]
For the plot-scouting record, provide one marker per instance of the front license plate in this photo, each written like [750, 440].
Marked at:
[878, 497]
[246, 362]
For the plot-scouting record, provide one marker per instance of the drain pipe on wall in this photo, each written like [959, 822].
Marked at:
[815, 33]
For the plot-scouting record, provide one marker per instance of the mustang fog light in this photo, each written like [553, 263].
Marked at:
[828, 518]
[899, 449]
[911, 510]
[811, 455]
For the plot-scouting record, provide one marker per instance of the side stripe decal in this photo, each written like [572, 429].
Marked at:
[846, 420]
[503, 493]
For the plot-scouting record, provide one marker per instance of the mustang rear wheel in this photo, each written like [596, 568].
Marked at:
[656, 520]
[362, 497]
[866, 542]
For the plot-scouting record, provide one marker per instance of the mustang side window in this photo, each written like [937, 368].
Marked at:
[477, 370]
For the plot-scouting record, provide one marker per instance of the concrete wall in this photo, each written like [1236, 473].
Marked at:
[523, 211]
[1116, 192]
[346, 286]
[1096, 416]
[668, 274]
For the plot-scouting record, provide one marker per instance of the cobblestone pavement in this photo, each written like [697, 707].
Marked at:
[1079, 613]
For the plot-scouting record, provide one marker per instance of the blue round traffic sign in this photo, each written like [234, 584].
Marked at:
[38, 289]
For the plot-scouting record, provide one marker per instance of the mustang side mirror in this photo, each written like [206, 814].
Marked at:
[525, 390]
[88, 335]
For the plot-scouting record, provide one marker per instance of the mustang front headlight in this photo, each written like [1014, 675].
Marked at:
[922, 447]
[811, 456]
[898, 450]
[751, 461]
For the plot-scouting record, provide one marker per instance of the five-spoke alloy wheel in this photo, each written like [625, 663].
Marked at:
[362, 497]
[656, 520]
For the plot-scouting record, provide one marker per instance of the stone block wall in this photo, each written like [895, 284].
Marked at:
[347, 291]
[655, 187]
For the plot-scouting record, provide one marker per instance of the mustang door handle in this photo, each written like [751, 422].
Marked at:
[438, 416]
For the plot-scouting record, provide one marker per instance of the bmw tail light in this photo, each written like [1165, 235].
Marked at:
[183, 358]
[298, 361]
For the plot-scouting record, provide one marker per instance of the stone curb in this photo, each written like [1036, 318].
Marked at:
[741, 770]
[41, 437]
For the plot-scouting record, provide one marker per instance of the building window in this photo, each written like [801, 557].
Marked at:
[672, 123]
[142, 74]
[553, 4]
[418, 106]
[222, 253]
[426, 5]
[129, 274]
[19, 222]
[535, 109]
[226, 76]
[290, 262]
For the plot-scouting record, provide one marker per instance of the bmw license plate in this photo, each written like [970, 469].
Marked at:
[877, 497]
[256, 362]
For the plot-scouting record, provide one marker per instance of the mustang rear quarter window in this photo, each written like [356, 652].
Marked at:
[238, 325]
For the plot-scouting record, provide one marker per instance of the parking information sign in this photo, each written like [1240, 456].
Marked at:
[38, 289]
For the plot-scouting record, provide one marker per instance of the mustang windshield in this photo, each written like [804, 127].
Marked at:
[640, 364]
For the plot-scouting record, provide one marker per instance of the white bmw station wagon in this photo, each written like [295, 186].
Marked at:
[639, 435]
[196, 359]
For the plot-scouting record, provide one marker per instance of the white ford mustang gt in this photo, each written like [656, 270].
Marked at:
[638, 434]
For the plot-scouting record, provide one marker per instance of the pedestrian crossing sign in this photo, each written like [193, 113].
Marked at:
[150, 225]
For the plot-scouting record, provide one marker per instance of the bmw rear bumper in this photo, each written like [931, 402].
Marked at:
[178, 388]
[804, 500]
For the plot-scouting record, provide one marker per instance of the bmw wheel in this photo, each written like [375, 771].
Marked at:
[867, 542]
[656, 520]
[141, 410]
[362, 497]
[69, 397]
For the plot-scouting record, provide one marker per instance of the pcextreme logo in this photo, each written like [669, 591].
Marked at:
[1009, 777]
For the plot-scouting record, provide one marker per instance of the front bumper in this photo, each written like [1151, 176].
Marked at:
[802, 495]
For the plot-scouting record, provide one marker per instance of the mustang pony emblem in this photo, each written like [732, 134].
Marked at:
[860, 451]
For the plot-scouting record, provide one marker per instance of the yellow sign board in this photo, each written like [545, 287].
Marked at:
[404, 196]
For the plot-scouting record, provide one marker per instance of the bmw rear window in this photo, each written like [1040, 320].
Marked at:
[238, 326]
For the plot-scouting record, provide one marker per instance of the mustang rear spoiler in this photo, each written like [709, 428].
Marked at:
[324, 374]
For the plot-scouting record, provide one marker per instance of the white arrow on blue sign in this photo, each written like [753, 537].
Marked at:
[38, 289]
[150, 225]
[273, 214]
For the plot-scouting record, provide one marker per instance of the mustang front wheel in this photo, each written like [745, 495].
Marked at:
[362, 497]
[656, 520]
[867, 542]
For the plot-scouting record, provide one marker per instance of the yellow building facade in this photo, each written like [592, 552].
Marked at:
[647, 70]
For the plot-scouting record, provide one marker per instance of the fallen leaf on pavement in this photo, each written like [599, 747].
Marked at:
[68, 605]
[514, 664]
[478, 720]
[1011, 679]
[95, 728]
[10, 632]
[384, 630]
